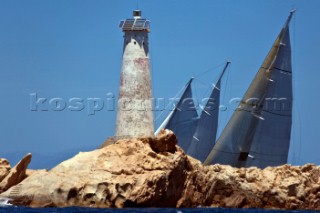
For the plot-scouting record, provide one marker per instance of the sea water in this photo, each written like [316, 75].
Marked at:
[143, 210]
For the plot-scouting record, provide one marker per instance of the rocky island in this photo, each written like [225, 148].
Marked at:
[155, 172]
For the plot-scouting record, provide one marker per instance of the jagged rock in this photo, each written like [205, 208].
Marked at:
[16, 174]
[166, 141]
[125, 174]
[4, 168]
[286, 187]
[148, 172]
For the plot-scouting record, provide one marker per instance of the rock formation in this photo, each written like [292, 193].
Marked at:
[4, 168]
[154, 172]
[16, 174]
[128, 173]
[283, 187]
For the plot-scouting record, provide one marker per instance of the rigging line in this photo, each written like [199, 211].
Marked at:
[209, 88]
[211, 85]
[209, 70]
[294, 65]
[295, 133]
[196, 76]
[196, 97]
[224, 93]
[176, 96]
[293, 139]
[201, 82]
[204, 84]
[204, 94]
[300, 133]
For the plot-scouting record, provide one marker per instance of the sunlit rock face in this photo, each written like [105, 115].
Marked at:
[4, 168]
[14, 175]
[155, 172]
[131, 172]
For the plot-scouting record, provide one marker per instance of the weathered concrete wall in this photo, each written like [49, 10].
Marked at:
[135, 115]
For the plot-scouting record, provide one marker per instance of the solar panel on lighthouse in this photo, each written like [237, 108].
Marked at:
[135, 24]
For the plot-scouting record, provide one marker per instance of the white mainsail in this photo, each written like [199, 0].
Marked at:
[256, 135]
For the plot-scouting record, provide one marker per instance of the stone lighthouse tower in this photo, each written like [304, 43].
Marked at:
[135, 115]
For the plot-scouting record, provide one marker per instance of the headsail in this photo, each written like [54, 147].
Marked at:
[248, 138]
[204, 136]
[183, 119]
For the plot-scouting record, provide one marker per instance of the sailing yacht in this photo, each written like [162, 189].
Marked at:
[258, 133]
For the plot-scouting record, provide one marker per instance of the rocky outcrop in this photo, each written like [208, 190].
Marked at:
[4, 168]
[131, 172]
[16, 174]
[154, 172]
[283, 187]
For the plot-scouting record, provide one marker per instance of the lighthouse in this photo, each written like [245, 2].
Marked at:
[135, 115]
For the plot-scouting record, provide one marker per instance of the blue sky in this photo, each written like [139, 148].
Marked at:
[73, 48]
